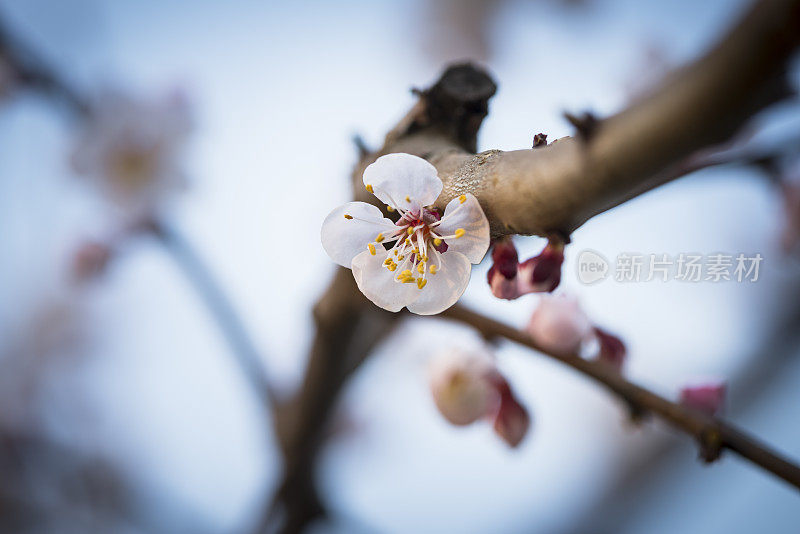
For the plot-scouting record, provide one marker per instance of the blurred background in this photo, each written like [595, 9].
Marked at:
[121, 407]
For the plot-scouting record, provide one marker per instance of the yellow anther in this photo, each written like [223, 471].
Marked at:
[371, 248]
[408, 199]
[400, 257]
[461, 199]
[391, 267]
[395, 252]
[387, 261]
[424, 259]
[410, 230]
[420, 268]
[433, 269]
[460, 232]
[416, 250]
[437, 242]
[405, 277]
[346, 216]
[379, 238]
[408, 241]
[389, 208]
[369, 188]
[421, 282]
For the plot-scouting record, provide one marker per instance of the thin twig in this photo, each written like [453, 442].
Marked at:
[221, 308]
[33, 72]
[712, 434]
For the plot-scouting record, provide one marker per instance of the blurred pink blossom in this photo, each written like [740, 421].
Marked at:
[90, 260]
[560, 325]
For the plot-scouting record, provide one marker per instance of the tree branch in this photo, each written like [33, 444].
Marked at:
[562, 185]
[199, 275]
[712, 434]
[34, 73]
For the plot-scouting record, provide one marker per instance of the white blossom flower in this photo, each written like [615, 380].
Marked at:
[132, 149]
[421, 262]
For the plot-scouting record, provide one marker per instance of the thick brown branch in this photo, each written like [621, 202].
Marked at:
[561, 186]
[712, 434]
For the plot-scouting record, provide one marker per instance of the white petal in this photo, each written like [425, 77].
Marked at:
[395, 177]
[378, 283]
[445, 287]
[343, 238]
[469, 216]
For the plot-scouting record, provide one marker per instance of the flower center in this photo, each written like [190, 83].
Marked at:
[418, 246]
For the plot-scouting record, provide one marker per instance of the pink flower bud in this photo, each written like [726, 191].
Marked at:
[502, 276]
[559, 325]
[512, 420]
[612, 349]
[790, 236]
[463, 385]
[90, 260]
[708, 397]
[542, 273]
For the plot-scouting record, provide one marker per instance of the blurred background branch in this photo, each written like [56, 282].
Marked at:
[712, 435]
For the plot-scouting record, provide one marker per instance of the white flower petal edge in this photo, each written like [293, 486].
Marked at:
[465, 212]
[383, 290]
[347, 230]
[444, 289]
[403, 181]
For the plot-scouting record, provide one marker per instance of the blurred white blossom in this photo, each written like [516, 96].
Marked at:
[560, 325]
[462, 383]
[467, 387]
[132, 149]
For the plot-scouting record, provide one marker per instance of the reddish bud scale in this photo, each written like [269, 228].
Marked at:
[505, 258]
[612, 349]
[707, 398]
[512, 420]
[546, 272]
